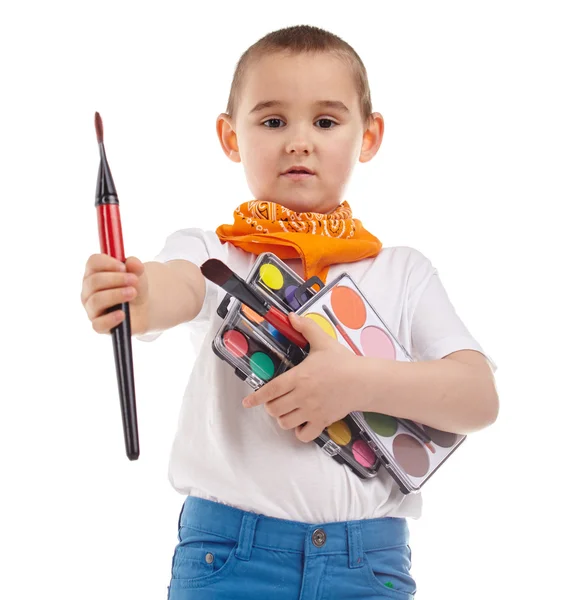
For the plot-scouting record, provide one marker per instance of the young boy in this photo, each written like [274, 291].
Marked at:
[267, 514]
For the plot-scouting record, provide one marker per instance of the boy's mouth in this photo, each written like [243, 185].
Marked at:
[298, 173]
[298, 176]
[298, 169]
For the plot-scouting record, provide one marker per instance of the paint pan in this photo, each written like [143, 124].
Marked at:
[404, 454]
[350, 309]
[277, 280]
[254, 353]
[261, 362]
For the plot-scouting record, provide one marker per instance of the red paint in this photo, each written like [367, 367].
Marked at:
[236, 343]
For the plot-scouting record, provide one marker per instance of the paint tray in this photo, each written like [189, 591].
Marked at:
[258, 352]
[410, 451]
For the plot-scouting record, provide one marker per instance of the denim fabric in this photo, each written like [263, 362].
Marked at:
[226, 553]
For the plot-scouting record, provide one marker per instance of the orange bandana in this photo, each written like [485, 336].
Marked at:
[319, 240]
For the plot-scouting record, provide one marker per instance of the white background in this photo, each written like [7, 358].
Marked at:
[475, 171]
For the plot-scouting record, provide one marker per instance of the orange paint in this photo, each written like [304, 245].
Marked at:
[251, 314]
[348, 307]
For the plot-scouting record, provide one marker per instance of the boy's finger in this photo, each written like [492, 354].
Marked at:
[273, 389]
[307, 432]
[103, 262]
[107, 281]
[101, 302]
[134, 265]
[107, 322]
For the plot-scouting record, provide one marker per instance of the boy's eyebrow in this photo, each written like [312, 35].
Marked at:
[335, 104]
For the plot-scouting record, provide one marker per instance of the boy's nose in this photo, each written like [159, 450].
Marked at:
[299, 147]
[300, 142]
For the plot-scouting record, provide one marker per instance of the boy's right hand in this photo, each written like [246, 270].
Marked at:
[108, 282]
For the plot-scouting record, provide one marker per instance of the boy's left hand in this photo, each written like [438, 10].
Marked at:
[316, 393]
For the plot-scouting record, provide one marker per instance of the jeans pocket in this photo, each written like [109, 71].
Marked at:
[389, 570]
[190, 562]
[199, 557]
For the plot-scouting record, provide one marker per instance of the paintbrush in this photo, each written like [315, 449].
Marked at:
[111, 243]
[215, 270]
[245, 323]
[341, 330]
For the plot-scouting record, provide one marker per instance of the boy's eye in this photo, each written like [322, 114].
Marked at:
[329, 121]
[319, 120]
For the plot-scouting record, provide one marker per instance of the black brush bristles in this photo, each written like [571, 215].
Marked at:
[105, 188]
[218, 272]
[99, 128]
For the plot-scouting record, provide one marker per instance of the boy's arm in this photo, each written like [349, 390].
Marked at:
[176, 291]
[456, 393]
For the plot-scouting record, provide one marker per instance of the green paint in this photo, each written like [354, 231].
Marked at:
[384, 425]
[389, 584]
[262, 365]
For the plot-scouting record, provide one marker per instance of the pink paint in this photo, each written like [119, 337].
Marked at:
[375, 342]
[363, 453]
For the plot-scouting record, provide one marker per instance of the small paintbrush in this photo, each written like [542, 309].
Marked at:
[218, 272]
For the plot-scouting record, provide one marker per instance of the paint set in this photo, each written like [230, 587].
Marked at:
[410, 451]
[258, 351]
[246, 340]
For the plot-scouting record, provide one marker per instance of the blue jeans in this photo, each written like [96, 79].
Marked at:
[227, 553]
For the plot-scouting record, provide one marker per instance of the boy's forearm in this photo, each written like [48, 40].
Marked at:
[176, 291]
[444, 394]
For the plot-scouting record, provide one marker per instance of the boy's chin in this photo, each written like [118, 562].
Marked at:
[303, 206]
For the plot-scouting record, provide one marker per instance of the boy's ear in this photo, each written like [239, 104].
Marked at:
[227, 137]
[372, 138]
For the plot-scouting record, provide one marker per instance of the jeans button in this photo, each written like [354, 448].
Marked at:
[318, 538]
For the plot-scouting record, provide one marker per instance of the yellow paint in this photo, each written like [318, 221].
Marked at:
[323, 323]
[340, 433]
[272, 276]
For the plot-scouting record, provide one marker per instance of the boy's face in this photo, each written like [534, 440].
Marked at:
[328, 140]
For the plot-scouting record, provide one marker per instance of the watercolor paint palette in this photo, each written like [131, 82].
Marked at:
[258, 352]
[410, 451]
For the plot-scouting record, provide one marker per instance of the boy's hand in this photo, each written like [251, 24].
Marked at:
[108, 282]
[317, 392]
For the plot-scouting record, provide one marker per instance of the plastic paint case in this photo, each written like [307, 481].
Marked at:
[258, 352]
[344, 441]
[345, 314]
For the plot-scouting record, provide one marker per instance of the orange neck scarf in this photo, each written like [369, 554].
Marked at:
[319, 240]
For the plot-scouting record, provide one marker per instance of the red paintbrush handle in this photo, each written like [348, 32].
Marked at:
[110, 230]
[349, 341]
[111, 243]
[281, 322]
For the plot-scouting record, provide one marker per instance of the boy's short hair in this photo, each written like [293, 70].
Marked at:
[300, 39]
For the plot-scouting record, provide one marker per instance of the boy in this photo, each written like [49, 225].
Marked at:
[267, 514]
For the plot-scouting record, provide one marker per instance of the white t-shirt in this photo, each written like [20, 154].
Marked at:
[240, 456]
